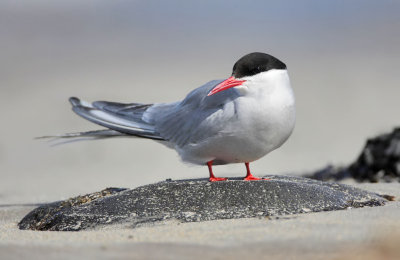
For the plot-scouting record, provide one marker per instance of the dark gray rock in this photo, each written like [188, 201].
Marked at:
[379, 161]
[197, 200]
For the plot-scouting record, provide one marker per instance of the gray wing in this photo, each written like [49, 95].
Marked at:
[189, 121]
[196, 117]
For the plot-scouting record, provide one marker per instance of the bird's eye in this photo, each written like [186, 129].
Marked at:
[256, 70]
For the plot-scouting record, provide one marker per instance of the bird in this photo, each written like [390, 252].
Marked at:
[239, 119]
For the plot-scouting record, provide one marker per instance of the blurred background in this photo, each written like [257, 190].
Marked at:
[342, 57]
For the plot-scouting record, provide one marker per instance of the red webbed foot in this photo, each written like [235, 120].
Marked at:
[214, 179]
[250, 177]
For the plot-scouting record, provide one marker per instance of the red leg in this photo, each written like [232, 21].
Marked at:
[249, 176]
[212, 177]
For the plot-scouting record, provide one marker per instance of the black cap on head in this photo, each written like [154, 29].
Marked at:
[255, 63]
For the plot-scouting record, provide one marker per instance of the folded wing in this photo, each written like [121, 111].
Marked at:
[124, 118]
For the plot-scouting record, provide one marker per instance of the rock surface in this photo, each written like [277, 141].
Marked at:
[197, 200]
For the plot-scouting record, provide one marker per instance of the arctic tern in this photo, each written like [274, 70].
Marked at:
[236, 120]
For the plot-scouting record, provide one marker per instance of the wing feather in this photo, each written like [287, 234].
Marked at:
[191, 120]
[113, 120]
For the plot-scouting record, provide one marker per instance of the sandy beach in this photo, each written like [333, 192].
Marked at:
[327, 235]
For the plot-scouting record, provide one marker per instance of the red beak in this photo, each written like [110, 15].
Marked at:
[228, 83]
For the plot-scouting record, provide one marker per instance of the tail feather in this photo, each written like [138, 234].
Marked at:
[104, 133]
[56, 140]
[123, 118]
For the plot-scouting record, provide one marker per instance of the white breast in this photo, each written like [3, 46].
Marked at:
[266, 110]
[265, 117]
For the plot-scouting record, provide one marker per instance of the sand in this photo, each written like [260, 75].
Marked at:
[306, 236]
